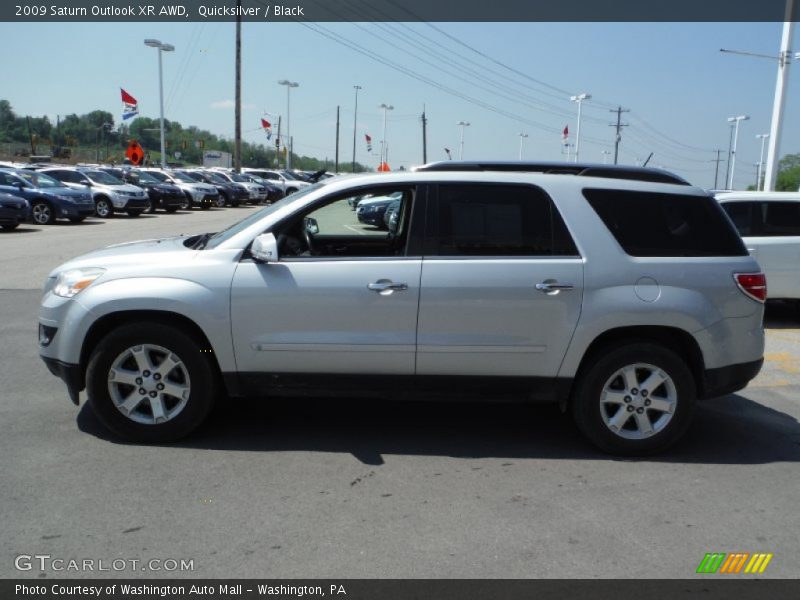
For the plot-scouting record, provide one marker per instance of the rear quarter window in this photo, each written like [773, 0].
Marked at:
[655, 224]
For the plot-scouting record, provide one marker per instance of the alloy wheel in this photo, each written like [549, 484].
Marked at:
[42, 214]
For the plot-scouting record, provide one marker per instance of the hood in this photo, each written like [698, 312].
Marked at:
[204, 187]
[128, 254]
[83, 192]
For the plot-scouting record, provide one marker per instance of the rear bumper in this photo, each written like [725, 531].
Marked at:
[726, 380]
[70, 374]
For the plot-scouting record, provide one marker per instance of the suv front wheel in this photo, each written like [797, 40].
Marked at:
[149, 382]
[637, 399]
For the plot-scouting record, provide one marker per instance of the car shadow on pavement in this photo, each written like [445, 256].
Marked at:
[18, 230]
[729, 430]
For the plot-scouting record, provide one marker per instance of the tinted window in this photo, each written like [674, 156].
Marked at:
[653, 224]
[780, 218]
[499, 220]
[741, 213]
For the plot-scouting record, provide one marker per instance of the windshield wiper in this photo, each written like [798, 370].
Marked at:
[201, 241]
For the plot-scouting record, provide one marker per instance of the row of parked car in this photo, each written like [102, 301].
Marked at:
[44, 193]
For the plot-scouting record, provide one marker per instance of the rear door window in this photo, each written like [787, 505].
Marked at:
[780, 218]
[655, 224]
[498, 220]
[742, 215]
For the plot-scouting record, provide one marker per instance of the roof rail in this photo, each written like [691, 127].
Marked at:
[560, 168]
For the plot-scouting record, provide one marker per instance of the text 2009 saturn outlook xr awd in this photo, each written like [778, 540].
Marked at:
[623, 294]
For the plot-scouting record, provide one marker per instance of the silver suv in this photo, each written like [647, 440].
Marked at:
[623, 295]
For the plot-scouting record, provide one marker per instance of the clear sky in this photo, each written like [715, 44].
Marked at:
[679, 87]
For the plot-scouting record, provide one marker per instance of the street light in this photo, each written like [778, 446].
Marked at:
[522, 136]
[736, 121]
[161, 48]
[289, 85]
[385, 107]
[579, 99]
[355, 124]
[462, 124]
[763, 137]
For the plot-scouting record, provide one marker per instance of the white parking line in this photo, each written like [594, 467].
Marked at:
[358, 231]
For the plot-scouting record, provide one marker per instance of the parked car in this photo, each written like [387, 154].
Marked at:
[13, 211]
[769, 223]
[196, 193]
[274, 192]
[371, 210]
[391, 217]
[166, 196]
[258, 193]
[109, 193]
[232, 194]
[287, 184]
[49, 199]
[622, 299]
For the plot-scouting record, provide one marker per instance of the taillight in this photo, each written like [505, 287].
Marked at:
[752, 284]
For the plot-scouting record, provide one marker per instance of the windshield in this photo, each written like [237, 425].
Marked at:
[157, 175]
[145, 177]
[193, 176]
[40, 180]
[291, 176]
[103, 177]
[237, 177]
[183, 177]
[215, 177]
[231, 231]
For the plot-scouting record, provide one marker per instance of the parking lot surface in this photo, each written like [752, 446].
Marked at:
[324, 488]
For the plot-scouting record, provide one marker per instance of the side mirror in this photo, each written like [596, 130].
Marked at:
[311, 225]
[265, 248]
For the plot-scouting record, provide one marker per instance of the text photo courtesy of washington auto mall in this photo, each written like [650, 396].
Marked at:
[380, 299]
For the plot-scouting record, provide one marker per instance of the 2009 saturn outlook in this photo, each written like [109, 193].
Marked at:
[625, 295]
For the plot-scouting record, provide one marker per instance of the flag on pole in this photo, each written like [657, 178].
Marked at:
[565, 135]
[369, 142]
[447, 151]
[267, 127]
[130, 106]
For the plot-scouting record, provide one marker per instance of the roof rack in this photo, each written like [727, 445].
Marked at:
[560, 168]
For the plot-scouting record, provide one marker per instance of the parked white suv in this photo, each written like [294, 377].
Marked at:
[769, 223]
[622, 294]
[109, 193]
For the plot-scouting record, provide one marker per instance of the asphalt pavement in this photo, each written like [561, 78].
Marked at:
[323, 488]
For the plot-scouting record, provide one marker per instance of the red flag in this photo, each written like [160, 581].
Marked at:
[130, 107]
[265, 124]
[127, 98]
[565, 133]
[369, 142]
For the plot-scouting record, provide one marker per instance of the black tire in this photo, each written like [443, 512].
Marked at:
[103, 208]
[171, 209]
[9, 226]
[205, 206]
[42, 213]
[590, 413]
[221, 201]
[76, 219]
[134, 212]
[202, 373]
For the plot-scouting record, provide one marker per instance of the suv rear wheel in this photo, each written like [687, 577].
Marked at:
[149, 382]
[637, 399]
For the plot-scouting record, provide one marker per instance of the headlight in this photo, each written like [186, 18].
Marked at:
[70, 283]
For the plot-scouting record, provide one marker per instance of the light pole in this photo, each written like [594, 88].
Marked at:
[386, 108]
[605, 156]
[355, 125]
[462, 124]
[161, 48]
[522, 136]
[763, 137]
[736, 121]
[289, 85]
[579, 99]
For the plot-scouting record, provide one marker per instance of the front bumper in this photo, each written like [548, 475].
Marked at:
[75, 210]
[14, 215]
[70, 374]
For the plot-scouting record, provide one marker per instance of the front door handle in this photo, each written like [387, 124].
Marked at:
[386, 286]
[551, 288]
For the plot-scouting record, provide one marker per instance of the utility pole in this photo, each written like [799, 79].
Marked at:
[619, 125]
[336, 168]
[278, 144]
[424, 137]
[716, 169]
[762, 137]
[237, 157]
[355, 126]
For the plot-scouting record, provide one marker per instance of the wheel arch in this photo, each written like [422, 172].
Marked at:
[677, 340]
[107, 323]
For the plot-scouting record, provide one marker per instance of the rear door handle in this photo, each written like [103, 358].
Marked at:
[386, 286]
[553, 287]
